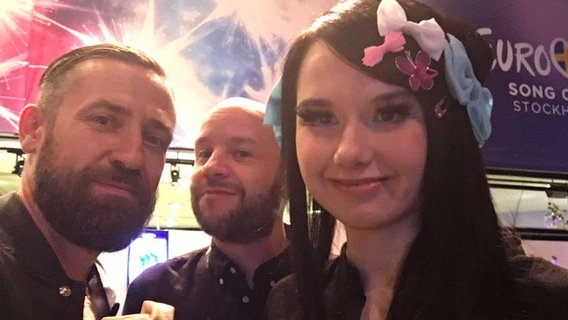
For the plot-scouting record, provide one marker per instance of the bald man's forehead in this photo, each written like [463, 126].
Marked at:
[232, 121]
[235, 111]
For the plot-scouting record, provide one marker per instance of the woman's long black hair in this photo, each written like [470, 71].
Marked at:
[456, 267]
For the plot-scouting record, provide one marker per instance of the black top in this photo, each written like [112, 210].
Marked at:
[541, 287]
[33, 284]
[206, 284]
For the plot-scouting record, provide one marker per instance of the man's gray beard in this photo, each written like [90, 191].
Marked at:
[252, 220]
[107, 224]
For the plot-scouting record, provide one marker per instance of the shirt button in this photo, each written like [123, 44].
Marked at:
[272, 283]
[233, 270]
[64, 291]
[221, 281]
[245, 299]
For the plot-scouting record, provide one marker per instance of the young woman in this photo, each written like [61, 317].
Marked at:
[383, 113]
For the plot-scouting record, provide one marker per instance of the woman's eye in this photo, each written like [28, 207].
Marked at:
[386, 116]
[316, 117]
[391, 114]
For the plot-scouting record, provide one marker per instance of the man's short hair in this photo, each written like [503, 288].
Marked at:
[52, 82]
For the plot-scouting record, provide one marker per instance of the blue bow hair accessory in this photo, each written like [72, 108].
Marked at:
[467, 90]
[272, 113]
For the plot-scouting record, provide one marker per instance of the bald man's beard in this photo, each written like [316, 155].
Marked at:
[99, 223]
[252, 220]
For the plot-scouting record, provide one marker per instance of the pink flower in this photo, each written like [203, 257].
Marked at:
[421, 75]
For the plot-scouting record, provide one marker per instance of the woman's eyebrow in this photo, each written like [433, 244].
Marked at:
[315, 102]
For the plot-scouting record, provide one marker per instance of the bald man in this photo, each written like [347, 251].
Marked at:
[237, 195]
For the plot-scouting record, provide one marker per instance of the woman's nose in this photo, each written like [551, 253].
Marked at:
[353, 148]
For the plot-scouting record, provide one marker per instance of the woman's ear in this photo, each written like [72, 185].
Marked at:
[31, 128]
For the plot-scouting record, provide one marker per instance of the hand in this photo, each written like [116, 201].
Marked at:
[151, 310]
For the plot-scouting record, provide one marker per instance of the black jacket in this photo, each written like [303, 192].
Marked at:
[33, 284]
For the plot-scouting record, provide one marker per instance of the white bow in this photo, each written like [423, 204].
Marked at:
[427, 33]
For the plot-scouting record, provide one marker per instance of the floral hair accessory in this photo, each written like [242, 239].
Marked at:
[467, 90]
[272, 113]
[421, 76]
[427, 33]
[394, 42]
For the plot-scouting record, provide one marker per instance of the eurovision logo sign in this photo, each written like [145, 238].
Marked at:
[529, 80]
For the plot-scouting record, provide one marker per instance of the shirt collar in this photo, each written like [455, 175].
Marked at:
[220, 264]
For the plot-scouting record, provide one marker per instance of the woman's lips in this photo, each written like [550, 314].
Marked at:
[360, 184]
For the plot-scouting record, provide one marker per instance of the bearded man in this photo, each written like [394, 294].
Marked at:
[237, 195]
[95, 147]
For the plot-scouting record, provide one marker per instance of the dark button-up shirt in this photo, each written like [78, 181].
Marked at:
[206, 284]
[33, 284]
